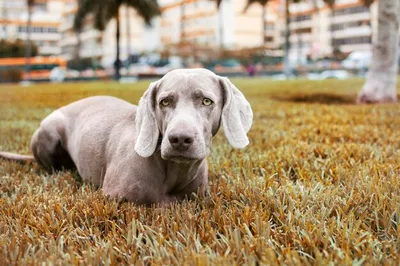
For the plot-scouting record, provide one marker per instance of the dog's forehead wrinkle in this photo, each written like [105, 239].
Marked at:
[198, 71]
[173, 82]
[184, 82]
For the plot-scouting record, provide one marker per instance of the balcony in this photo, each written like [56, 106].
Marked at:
[351, 17]
[36, 36]
[46, 50]
[91, 52]
[66, 25]
[305, 37]
[353, 32]
[301, 24]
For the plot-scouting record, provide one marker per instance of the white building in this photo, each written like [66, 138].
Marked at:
[199, 22]
[46, 17]
[196, 22]
[352, 27]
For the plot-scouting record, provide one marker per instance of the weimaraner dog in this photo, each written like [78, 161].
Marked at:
[152, 153]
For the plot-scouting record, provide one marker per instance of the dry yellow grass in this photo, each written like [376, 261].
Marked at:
[319, 184]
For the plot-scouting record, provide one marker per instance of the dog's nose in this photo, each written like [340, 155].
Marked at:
[180, 141]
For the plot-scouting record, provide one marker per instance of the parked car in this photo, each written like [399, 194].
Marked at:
[334, 74]
[357, 60]
[227, 65]
[329, 74]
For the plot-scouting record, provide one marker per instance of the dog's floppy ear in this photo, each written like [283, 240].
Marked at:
[146, 125]
[237, 115]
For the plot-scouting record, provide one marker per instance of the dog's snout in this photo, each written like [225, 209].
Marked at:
[181, 140]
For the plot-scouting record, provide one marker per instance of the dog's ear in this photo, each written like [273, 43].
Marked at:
[146, 125]
[237, 115]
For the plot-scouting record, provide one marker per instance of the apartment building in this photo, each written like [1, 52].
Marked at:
[316, 31]
[200, 22]
[46, 16]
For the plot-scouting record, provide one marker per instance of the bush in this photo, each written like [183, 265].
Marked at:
[83, 64]
[15, 49]
[11, 75]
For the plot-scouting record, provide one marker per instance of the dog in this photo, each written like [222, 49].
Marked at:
[151, 153]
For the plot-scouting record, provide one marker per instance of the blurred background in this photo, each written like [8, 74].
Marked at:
[69, 40]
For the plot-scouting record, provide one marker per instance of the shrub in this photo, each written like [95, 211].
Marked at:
[10, 75]
[15, 49]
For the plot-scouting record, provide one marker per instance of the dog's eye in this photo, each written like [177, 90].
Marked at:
[164, 102]
[207, 101]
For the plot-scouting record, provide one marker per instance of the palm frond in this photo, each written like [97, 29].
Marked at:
[330, 3]
[147, 9]
[218, 2]
[30, 3]
[367, 3]
[105, 10]
[250, 2]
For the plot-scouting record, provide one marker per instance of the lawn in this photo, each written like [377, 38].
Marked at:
[319, 183]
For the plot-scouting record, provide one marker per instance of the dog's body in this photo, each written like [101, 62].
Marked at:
[152, 153]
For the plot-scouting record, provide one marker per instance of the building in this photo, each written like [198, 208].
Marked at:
[200, 22]
[46, 16]
[317, 31]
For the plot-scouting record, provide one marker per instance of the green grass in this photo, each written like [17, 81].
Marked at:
[320, 183]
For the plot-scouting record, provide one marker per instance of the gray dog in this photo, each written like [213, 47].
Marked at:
[153, 153]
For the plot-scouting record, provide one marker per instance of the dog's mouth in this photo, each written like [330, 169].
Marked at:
[189, 155]
[180, 158]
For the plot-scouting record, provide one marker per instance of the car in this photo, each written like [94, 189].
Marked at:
[334, 74]
[357, 60]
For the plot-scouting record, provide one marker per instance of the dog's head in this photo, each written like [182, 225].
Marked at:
[186, 108]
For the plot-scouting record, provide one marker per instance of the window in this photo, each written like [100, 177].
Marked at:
[300, 18]
[41, 7]
[352, 24]
[351, 10]
[301, 30]
[270, 26]
[268, 38]
[352, 40]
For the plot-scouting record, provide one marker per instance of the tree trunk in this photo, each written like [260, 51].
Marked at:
[128, 33]
[380, 85]
[78, 45]
[28, 44]
[331, 31]
[299, 48]
[286, 67]
[117, 64]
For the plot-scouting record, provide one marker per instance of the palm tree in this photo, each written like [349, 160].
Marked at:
[380, 85]
[105, 10]
[28, 48]
[128, 32]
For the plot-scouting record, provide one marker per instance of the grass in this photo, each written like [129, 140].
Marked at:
[319, 184]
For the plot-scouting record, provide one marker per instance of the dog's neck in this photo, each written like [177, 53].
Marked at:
[179, 176]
